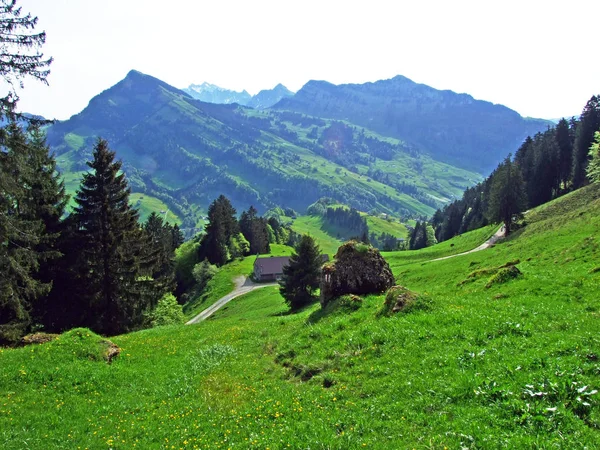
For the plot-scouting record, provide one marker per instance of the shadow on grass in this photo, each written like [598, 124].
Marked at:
[291, 312]
[345, 304]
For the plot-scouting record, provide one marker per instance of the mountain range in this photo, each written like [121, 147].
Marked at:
[211, 93]
[325, 140]
[454, 128]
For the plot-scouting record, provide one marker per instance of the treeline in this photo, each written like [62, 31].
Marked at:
[350, 224]
[545, 166]
[226, 238]
[96, 267]
[421, 236]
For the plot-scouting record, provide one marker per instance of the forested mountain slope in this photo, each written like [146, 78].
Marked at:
[187, 152]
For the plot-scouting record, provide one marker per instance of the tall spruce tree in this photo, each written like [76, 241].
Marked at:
[302, 274]
[507, 194]
[20, 234]
[221, 240]
[565, 152]
[162, 251]
[114, 268]
[254, 229]
[49, 201]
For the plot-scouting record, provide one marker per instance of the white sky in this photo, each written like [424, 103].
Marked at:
[538, 57]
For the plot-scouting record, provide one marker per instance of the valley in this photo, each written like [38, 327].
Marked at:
[511, 365]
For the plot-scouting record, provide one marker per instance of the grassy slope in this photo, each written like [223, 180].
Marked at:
[484, 368]
[223, 282]
[314, 226]
[329, 238]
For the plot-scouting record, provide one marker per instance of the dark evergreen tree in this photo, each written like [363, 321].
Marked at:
[20, 234]
[162, 252]
[176, 237]
[507, 194]
[565, 152]
[418, 236]
[255, 230]
[221, 233]
[589, 123]
[49, 201]
[302, 275]
[113, 266]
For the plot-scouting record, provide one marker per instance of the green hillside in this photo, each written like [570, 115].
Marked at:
[512, 365]
[186, 152]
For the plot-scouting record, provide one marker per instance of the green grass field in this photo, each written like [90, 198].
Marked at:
[313, 226]
[513, 365]
[329, 238]
[146, 205]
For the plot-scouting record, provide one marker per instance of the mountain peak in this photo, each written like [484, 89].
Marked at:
[211, 93]
[269, 97]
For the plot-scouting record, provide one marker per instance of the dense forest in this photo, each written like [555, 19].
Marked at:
[545, 166]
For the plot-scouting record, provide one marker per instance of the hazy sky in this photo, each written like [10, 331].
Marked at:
[538, 57]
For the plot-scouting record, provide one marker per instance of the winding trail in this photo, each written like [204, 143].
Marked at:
[487, 244]
[243, 285]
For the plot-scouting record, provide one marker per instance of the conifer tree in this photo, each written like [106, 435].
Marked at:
[49, 201]
[221, 242]
[114, 268]
[565, 152]
[302, 274]
[20, 233]
[507, 194]
[176, 237]
[254, 229]
[161, 250]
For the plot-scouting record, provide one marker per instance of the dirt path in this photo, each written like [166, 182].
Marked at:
[491, 241]
[243, 285]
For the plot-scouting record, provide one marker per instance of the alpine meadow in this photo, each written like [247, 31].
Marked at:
[364, 262]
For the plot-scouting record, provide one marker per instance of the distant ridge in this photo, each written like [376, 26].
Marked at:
[452, 127]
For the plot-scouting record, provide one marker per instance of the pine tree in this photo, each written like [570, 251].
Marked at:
[114, 268]
[162, 252]
[176, 237]
[255, 230]
[49, 202]
[302, 274]
[588, 124]
[20, 234]
[220, 242]
[507, 194]
[565, 152]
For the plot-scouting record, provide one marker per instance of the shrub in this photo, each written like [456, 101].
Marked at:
[167, 312]
[504, 275]
[203, 272]
[400, 299]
